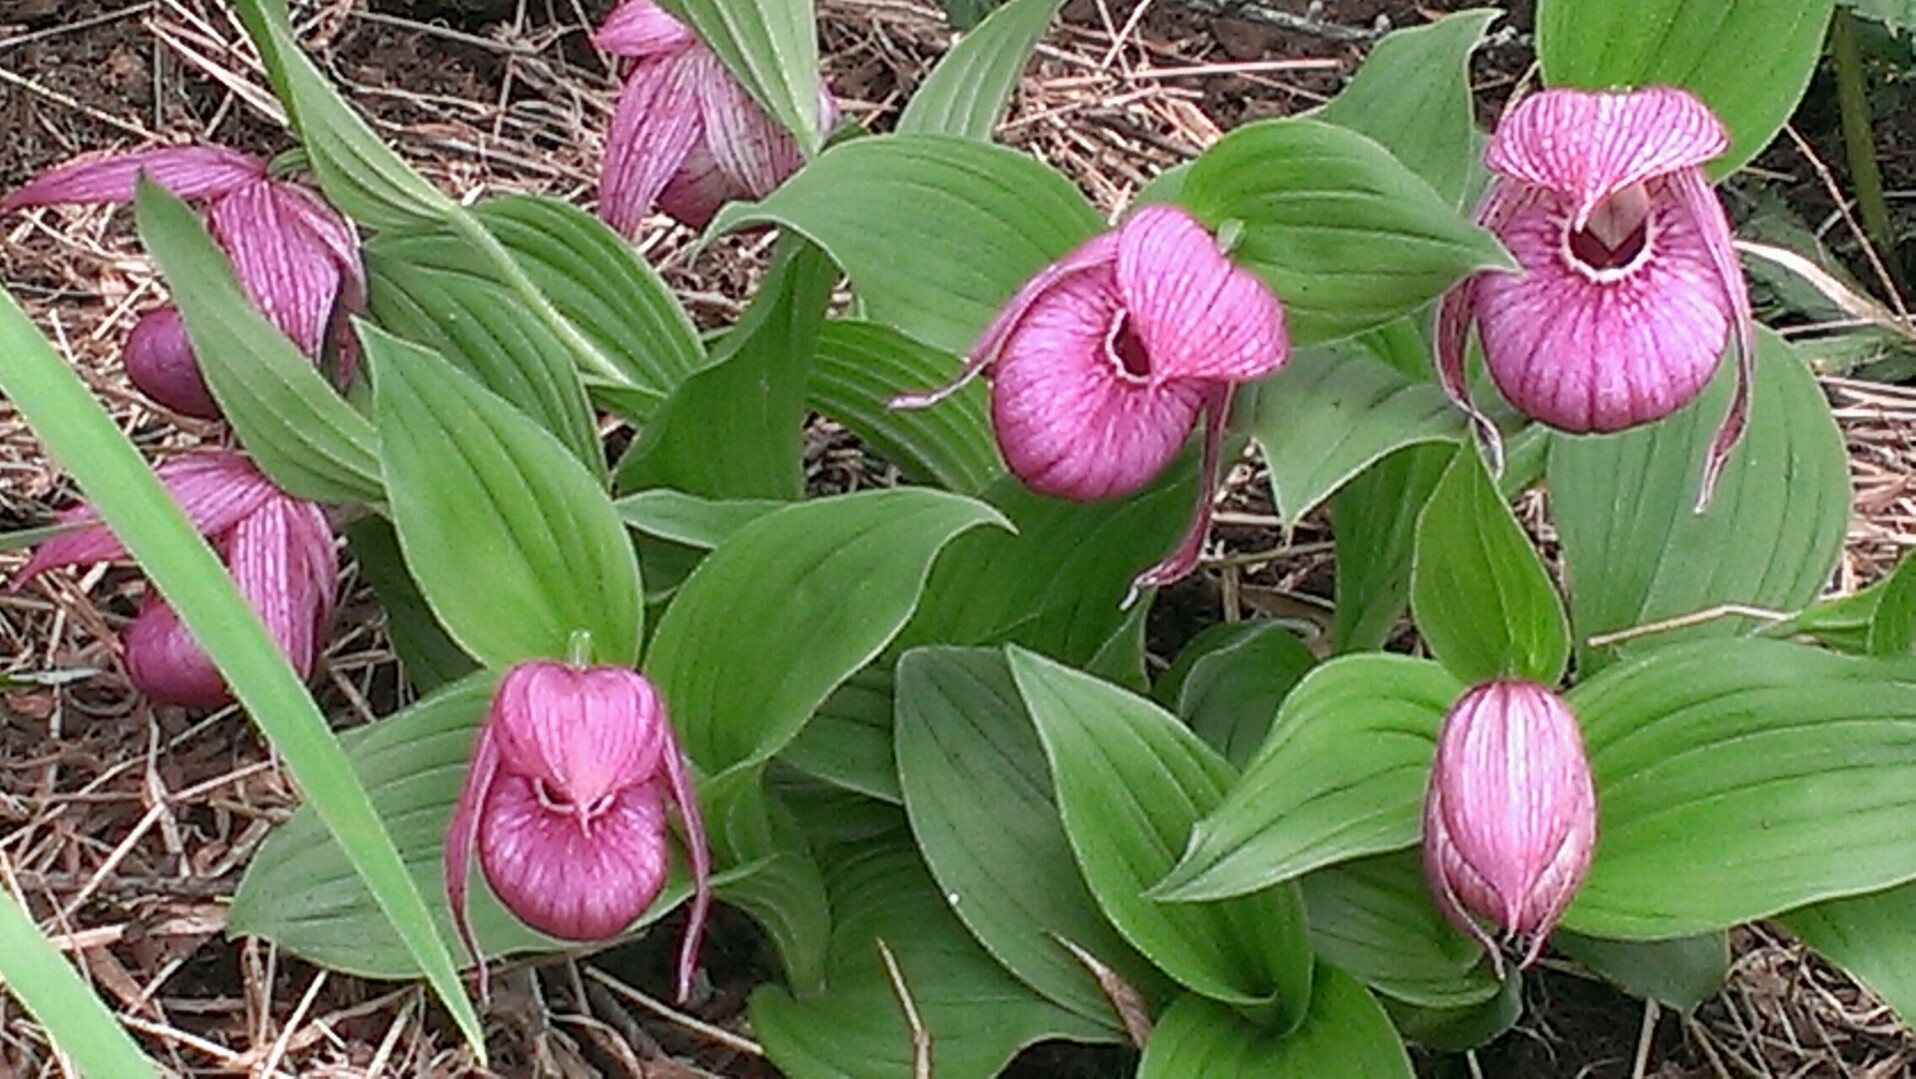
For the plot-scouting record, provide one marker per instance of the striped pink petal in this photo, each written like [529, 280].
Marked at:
[283, 559]
[1183, 558]
[578, 879]
[1075, 411]
[462, 834]
[191, 172]
[324, 229]
[585, 731]
[291, 274]
[749, 146]
[1196, 313]
[654, 127]
[640, 28]
[1585, 350]
[1588, 145]
[160, 362]
[164, 662]
[215, 489]
[1510, 814]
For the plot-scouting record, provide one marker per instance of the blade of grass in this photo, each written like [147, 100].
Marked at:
[78, 432]
[49, 987]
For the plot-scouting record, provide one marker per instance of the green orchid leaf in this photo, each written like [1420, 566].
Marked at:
[481, 493]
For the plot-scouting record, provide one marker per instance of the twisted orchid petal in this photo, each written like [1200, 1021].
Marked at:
[1510, 815]
[190, 172]
[215, 489]
[160, 363]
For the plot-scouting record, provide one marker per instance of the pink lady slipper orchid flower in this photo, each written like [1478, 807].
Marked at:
[565, 803]
[1102, 363]
[685, 136]
[1510, 816]
[1628, 288]
[278, 548]
[296, 256]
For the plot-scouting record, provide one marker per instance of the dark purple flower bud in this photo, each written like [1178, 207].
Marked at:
[160, 361]
[685, 138]
[565, 804]
[278, 548]
[1510, 816]
[1102, 363]
[295, 256]
[164, 662]
[1628, 287]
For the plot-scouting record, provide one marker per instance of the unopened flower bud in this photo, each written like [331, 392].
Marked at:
[1510, 816]
[160, 362]
[565, 805]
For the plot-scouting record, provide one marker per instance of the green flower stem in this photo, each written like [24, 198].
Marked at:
[1859, 146]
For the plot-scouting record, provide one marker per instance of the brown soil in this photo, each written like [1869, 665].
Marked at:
[126, 826]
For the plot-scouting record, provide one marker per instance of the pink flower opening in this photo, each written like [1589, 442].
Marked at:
[1104, 361]
[685, 137]
[279, 550]
[564, 805]
[1510, 816]
[1628, 289]
[295, 256]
